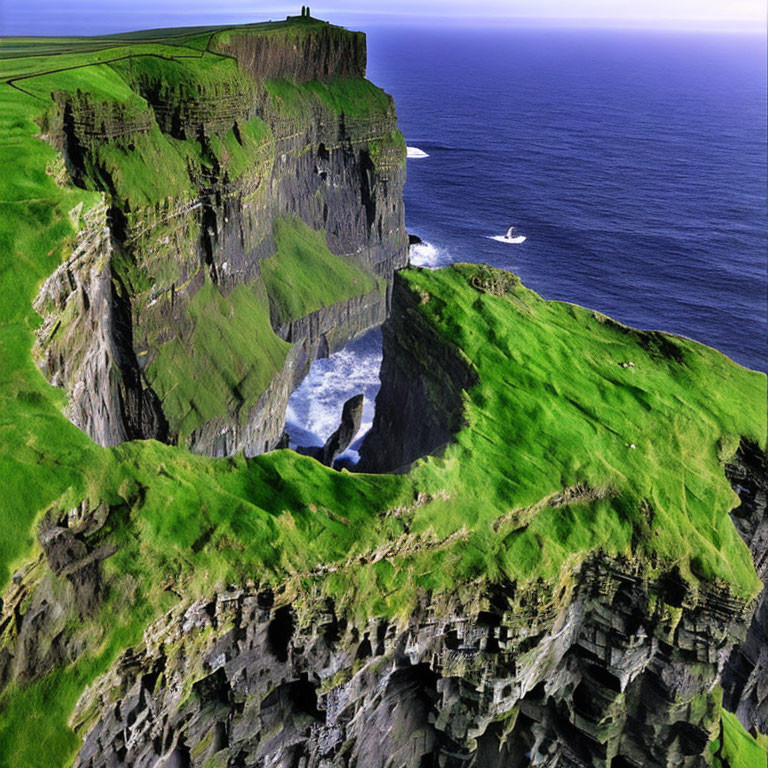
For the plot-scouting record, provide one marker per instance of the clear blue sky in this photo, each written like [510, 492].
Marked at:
[47, 17]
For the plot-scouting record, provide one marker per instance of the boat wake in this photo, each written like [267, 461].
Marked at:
[504, 239]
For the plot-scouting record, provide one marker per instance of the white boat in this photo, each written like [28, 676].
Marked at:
[512, 236]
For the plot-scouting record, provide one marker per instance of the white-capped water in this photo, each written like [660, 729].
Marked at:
[314, 410]
[429, 255]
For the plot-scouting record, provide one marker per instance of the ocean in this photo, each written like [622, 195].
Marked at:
[633, 163]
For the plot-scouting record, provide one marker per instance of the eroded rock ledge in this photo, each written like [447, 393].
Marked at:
[745, 678]
[615, 670]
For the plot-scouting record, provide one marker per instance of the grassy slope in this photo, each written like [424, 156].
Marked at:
[41, 454]
[194, 523]
[553, 408]
[223, 365]
[355, 98]
[304, 276]
[736, 748]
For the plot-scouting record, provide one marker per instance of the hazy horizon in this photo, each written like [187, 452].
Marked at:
[88, 17]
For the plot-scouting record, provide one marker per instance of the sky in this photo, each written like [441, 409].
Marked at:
[49, 17]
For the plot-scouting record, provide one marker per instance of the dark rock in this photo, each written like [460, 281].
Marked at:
[745, 677]
[414, 239]
[504, 677]
[327, 53]
[339, 441]
[419, 407]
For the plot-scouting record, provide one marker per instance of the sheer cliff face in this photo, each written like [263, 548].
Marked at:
[329, 52]
[179, 243]
[616, 670]
[745, 678]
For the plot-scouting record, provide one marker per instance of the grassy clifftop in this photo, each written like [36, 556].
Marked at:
[156, 122]
[569, 398]
[555, 408]
[567, 449]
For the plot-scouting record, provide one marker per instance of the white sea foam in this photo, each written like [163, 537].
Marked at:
[428, 255]
[510, 240]
[415, 153]
[314, 409]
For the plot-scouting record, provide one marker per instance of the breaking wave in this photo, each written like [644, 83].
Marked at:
[314, 409]
[428, 255]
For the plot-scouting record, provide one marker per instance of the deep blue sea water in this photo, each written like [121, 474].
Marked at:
[633, 162]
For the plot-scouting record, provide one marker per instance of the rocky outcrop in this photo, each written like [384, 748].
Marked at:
[339, 441]
[615, 670]
[84, 343]
[745, 678]
[42, 608]
[419, 407]
[309, 50]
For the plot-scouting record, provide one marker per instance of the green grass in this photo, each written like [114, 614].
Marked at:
[553, 408]
[188, 75]
[304, 276]
[41, 453]
[353, 97]
[149, 169]
[223, 364]
[738, 748]
[251, 147]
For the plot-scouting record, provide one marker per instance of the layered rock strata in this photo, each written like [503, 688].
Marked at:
[137, 268]
[615, 670]
[745, 678]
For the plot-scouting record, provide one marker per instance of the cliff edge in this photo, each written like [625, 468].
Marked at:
[566, 568]
[250, 220]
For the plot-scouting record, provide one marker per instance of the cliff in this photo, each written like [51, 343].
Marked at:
[245, 611]
[600, 677]
[235, 192]
[746, 672]
[565, 571]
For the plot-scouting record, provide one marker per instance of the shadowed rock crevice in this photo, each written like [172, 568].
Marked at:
[419, 407]
[745, 692]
